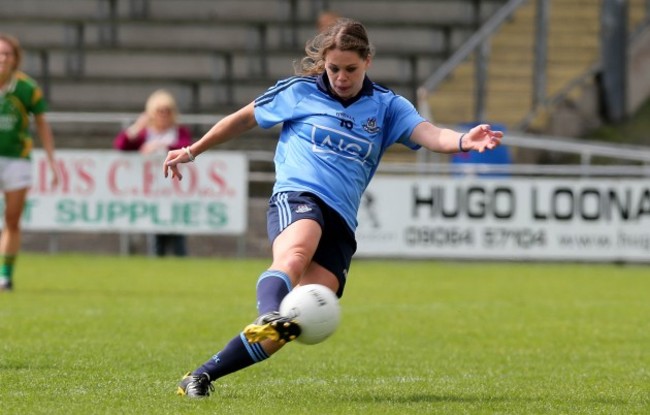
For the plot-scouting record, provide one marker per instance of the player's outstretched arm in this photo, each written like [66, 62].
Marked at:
[444, 140]
[227, 128]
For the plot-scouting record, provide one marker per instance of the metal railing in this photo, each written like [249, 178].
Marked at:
[123, 119]
[587, 151]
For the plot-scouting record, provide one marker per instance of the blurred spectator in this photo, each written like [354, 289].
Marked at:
[157, 131]
[20, 97]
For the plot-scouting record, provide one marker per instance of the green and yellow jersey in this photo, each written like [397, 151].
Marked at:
[20, 98]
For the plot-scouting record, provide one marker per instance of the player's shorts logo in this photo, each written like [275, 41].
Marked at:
[329, 140]
[303, 209]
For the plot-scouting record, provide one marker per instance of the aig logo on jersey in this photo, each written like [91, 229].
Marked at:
[329, 140]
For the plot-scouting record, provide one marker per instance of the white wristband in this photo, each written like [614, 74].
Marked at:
[189, 153]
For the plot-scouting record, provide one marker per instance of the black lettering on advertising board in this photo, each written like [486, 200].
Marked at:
[522, 238]
[439, 236]
[590, 204]
[473, 202]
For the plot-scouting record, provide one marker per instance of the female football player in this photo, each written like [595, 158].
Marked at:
[337, 124]
[20, 97]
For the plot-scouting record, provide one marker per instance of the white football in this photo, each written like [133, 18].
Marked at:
[316, 310]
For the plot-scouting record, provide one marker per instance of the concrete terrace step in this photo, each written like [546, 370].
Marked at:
[564, 56]
[97, 130]
[230, 34]
[200, 65]
[409, 11]
[257, 140]
[81, 9]
[128, 94]
[106, 93]
[555, 42]
[191, 9]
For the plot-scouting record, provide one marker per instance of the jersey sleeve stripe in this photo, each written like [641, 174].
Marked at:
[281, 86]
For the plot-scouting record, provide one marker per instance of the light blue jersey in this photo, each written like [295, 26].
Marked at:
[331, 147]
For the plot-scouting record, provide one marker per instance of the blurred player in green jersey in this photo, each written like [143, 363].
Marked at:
[20, 97]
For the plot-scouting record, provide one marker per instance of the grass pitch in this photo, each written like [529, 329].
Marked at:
[101, 335]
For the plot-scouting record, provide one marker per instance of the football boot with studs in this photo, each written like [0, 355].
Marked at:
[195, 386]
[272, 326]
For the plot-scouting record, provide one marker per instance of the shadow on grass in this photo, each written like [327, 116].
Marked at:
[24, 366]
[109, 291]
[432, 398]
[429, 397]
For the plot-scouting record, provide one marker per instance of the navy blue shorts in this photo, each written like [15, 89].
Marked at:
[337, 243]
